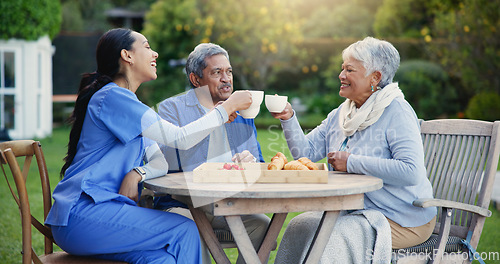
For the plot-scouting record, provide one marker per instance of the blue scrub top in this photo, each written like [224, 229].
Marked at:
[110, 145]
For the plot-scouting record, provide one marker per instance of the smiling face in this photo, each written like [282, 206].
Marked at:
[354, 85]
[144, 59]
[218, 76]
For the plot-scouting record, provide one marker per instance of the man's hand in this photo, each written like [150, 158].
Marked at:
[338, 159]
[244, 156]
[129, 185]
[232, 116]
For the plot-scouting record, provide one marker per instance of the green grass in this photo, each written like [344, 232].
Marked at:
[10, 237]
[271, 140]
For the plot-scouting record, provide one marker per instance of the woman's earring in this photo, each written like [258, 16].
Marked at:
[372, 88]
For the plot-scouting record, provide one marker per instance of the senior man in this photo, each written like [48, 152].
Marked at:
[210, 75]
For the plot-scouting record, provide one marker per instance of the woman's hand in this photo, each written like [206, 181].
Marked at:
[239, 100]
[129, 185]
[338, 159]
[286, 114]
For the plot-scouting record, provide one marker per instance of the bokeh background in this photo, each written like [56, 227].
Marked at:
[450, 49]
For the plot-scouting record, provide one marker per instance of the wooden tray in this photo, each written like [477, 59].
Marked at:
[257, 173]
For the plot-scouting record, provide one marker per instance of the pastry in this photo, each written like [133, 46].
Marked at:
[277, 162]
[308, 163]
[295, 165]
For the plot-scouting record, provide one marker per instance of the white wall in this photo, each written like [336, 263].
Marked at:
[33, 93]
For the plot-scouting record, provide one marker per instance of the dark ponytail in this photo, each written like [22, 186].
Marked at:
[108, 66]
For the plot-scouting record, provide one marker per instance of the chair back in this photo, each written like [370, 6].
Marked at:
[461, 157]
[10, 152]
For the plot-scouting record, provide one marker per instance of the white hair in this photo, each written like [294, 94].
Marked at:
[375, 55]
[196, 60]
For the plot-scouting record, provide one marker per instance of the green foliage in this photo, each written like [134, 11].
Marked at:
[324, 103]
[259, 36]
[484, 106]
[29, 19]
[85, 15]
[464, 38]
[340, 22]
[426, 87]
[173, 28]
[396, 18]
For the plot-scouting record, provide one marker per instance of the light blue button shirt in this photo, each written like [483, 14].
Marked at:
[184, 109]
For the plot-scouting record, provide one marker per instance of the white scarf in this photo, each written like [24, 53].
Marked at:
[352, 119]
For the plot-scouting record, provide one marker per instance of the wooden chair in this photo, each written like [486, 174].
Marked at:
[461, 157]
[10, 151]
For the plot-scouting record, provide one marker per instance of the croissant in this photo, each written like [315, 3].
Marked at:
[295, 165]
[308, 163]
[277, 162]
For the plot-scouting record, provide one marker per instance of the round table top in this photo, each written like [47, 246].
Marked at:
[338, 184]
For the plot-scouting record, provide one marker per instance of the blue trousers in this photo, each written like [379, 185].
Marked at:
[118, 231]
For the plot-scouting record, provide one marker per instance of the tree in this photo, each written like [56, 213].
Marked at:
[259, 35]
[85, 15]
[335, 20]
[29, 19]
[400, 18]
[466, 40]
[461, 36]
[173, 27]
[90, 15]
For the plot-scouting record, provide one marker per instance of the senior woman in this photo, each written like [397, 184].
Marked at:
[374, 132]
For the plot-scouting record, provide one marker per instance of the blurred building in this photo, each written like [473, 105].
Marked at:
[121, 17]
[76, 55]
[26, 88]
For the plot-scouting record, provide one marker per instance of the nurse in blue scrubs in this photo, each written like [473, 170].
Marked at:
[112, 149]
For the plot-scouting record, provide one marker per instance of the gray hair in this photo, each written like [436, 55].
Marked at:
[375, 55]
[196, 60]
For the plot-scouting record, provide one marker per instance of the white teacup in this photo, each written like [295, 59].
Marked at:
[253, 110]
[276, 103]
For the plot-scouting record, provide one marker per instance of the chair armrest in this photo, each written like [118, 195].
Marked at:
[451, 204]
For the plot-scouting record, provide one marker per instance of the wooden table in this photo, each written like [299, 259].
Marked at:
[342, 192]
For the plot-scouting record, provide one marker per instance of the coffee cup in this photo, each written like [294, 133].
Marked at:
[253, 110]
[276, 103]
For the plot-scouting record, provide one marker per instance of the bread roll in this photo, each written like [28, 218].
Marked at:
[308, 163]
[277, 162]
[295, 165]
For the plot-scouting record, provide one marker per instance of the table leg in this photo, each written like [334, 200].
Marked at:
[242, 239]
[272, 233]
[318, 244]
[207, 233]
